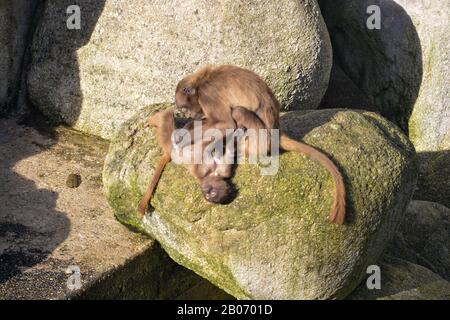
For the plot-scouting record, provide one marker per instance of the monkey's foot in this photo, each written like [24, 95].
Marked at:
[142, 208]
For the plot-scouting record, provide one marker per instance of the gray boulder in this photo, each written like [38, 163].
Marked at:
[424, 237]
[403, 68]
[434, 177]
[403, 280]
[16, 19]
[131, 54]
[274, 241]
[343, 93]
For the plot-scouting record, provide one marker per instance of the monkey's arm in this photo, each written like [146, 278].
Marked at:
[249, 120]
[245, 118]
[165, 124]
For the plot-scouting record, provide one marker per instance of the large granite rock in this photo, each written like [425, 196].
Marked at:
[404, 66]
[343, 93]
[434, 177]
[424, 237]
[404, 70]
[403, 280]
[274, 240]
[131, 54]
[15, 24]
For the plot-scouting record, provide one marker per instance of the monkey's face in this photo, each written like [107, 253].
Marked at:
[186, 99]
[216, 190]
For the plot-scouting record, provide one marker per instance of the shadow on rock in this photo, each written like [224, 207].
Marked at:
[434, 177]
[385, 64]
[65, 105]
[30, 226]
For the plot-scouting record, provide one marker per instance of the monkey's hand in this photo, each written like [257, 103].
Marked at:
[238, 113]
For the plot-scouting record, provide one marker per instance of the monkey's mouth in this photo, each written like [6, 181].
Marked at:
[213, 197]
[210, 196]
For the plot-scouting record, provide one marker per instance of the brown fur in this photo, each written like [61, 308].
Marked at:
[233, 97]
[213, 177]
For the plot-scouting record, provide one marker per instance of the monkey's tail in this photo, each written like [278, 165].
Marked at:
[165, 159]
[337, 214]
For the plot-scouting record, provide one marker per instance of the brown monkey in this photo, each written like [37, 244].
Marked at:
[213, 177]
[234, 97]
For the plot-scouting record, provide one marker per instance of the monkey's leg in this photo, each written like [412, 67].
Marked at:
[153, 182]
[165, 125]
[249, 120]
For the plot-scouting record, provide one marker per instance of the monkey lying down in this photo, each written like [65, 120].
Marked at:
[230, 97]
[213, 171]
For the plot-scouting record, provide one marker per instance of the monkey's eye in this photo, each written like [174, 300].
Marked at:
[188, 91]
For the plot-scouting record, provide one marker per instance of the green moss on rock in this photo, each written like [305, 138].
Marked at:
[274, 240]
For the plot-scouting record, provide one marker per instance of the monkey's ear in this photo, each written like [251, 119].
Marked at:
[189, 91]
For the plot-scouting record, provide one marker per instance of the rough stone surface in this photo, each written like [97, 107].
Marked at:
[131, 54]
[403, 280]
[274, 240]
[342, 92]
[404, 66]
[15, 23]
[46, 227]
[429, 125]
[434, 177]
[424, 237]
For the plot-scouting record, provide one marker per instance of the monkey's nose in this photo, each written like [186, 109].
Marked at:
[211, 197]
